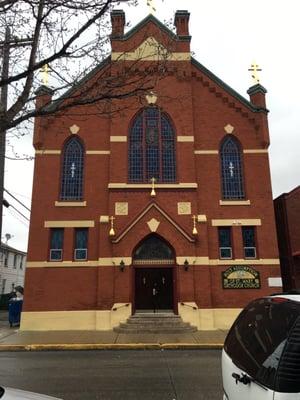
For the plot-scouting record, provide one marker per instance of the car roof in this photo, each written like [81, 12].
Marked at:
[289, 296]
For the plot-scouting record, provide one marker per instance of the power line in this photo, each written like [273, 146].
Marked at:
[19, 212]
[13, 215]
[22, 204]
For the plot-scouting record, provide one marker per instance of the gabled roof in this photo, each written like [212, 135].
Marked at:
[226, 87]
[143, 22]
[172, 35]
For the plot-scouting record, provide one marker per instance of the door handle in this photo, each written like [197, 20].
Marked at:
[243, 379]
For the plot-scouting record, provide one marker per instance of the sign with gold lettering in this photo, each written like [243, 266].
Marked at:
[240, 277]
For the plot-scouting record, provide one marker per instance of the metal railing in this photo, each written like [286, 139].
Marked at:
[188, 305]
[123, 305]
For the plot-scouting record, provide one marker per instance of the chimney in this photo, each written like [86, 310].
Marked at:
[43, 96]
[117, 23]
[182, 23]
[257, 95]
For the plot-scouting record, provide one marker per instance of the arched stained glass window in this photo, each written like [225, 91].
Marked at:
[72, 171]
[232, 170]
[152, 147]
[153, 249]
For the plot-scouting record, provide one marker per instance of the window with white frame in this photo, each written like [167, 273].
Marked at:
[56, 244]
[81, 241]
[249, 244]
[225, 247]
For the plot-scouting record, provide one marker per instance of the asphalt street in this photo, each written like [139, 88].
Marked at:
[115, 375]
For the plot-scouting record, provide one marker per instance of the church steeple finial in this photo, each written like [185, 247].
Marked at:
[255, 69]
[151, 5]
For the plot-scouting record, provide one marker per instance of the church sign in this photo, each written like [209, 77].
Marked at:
[240, 277]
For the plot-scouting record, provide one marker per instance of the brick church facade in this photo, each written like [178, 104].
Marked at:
[165, 205]
[287, 211]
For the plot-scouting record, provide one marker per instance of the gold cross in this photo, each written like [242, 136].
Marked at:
[150, 4]
[255, 69]
[45, 74]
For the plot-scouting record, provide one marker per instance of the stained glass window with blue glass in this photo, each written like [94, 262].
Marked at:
[81, 238]
[56, 244]
[72, 171]
[225, 248]
[248, 233]
[232, 171]
[152, 147]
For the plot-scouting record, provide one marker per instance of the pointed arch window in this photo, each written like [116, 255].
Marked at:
[72, 170]
[232, 169]
[152, 147]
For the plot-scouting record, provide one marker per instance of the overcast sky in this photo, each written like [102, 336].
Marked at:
[227, 36]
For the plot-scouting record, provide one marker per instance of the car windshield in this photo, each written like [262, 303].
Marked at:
[258, 337]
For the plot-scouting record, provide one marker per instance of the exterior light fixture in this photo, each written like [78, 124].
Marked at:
[186, 265]
[195, 232]
[122, 266]
[112, 231]
[153, 194]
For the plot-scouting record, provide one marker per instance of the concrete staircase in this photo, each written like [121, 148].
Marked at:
[160, 322]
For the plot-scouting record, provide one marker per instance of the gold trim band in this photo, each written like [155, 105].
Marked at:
[118, 139]
[235, 203]
[115, 261]
[97, 152]
[69, 224]
[229, 222]
[70, 204]
[185, 138]
[47, 152]
[255, 151]
[154, 56]
[149, 186]
[206, 152]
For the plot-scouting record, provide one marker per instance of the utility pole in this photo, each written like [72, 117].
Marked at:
[3, 110]
[6, 45]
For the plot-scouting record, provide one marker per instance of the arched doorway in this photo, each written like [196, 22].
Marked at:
[154, 261]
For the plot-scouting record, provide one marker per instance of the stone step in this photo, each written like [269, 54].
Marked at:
[141, 324]
[155, 323]
[155, 330]
[155, 316]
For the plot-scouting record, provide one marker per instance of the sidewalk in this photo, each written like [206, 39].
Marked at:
[14, 339]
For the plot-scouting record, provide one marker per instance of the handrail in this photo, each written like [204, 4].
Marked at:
[188, 305]
[123, 305]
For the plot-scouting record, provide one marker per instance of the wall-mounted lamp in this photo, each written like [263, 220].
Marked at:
[195, 232]
[186, 265]
[153, 194]
[122, 265]
[112, 231]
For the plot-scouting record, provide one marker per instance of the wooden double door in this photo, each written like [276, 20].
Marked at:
[154, 289]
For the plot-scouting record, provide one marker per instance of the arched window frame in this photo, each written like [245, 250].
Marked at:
[71, 182]
[148, 160]
[152, 260]
[232, 171]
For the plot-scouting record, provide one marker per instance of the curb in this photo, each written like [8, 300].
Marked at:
[111, 346]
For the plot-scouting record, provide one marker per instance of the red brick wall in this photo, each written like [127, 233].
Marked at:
[198, 107]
